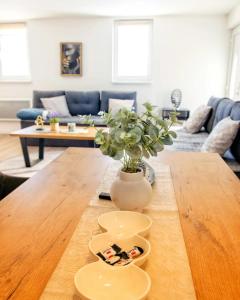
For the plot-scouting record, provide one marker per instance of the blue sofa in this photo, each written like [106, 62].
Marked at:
[221, 108]
[79, 103]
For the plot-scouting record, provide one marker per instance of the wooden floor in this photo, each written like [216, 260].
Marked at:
[10, 147]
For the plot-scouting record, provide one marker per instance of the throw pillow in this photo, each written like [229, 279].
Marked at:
[116, 104]
[221, 137]
[56, 104]
[198, 119]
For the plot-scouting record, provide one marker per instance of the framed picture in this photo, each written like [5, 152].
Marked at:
[71, 59]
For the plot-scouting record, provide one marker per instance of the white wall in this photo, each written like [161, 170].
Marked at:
[234, 17]
[190, 53]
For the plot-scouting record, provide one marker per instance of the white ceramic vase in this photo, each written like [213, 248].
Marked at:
[131, 191]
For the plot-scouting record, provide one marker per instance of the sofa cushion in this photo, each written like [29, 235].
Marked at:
[83, 103]
[56, 104]
[196, 121]
[223, 110]
[29, 113]
[213, 102]
[37, 95]
[115, 105]
[221, 137]
[235, 115]
[106, 95]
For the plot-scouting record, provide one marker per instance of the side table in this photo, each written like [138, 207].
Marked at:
[183, 114]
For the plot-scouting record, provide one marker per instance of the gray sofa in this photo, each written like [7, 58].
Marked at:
[79, 103]
[221, 108]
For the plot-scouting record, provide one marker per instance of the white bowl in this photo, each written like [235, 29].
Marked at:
[98, 281]
[103, 241]
[125, 223]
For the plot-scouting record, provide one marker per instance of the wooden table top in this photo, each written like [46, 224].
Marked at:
[38, 219]
[63, 134]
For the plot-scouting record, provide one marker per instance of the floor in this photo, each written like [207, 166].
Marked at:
[11, 158]
[9, 147]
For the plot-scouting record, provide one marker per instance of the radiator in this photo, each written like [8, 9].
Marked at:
[9, 107]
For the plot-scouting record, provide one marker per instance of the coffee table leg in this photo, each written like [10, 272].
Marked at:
[41, 149]
[25, 152]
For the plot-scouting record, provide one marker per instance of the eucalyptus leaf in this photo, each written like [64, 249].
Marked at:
[133, 136]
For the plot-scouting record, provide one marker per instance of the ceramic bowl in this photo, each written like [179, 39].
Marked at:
[103, 241]
[125, 223]
[97, 281]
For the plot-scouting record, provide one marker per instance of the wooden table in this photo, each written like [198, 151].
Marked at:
[31, 133]
[38, 220]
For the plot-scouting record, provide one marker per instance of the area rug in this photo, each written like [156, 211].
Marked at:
[15, 166]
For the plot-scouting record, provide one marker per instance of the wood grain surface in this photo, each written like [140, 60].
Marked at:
[208, 198]
[31, 132]
[38, 219]
[168, 264]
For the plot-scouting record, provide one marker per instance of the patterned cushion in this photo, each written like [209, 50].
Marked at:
[222, 136]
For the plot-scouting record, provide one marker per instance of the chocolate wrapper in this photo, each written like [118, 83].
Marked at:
[135, 252]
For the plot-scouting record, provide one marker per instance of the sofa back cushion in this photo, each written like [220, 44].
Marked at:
[37, 95]
[83, 103]
[235, 115]
[213, 102]
[106, 95]
[223, 110]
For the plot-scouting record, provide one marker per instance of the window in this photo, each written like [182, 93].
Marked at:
[132, 51]
[14, 63]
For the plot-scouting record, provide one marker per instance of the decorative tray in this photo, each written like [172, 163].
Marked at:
[82, 130]
[120, 251]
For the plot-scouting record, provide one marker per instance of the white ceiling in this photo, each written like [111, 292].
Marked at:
[11, 10]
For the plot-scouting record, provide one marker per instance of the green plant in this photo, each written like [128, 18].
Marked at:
[131, 136]
[88, 120]
[53, 118]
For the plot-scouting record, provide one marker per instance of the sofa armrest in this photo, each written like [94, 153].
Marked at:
[29, 113]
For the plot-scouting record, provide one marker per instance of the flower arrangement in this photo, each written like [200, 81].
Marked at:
[53, 118]
[131, 136]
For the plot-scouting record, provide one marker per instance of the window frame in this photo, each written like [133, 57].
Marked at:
[130, 79]
[16, 79]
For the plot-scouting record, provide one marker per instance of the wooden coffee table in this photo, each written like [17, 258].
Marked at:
[46, 223]
[81, 133]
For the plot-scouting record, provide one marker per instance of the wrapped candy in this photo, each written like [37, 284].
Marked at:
[109, 252]
[113, 260]
[135, 252]
[114, 255]
[123, 262]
